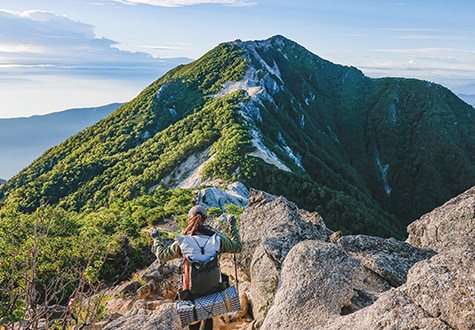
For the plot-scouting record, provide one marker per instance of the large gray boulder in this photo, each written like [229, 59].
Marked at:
[449, 226]
[235, 193]
[316, 282]
[439, 294]
[389, 258]
[270, 227]
[275, 224]
[316, 286]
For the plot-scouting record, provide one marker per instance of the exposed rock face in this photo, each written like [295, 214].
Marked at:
[389, 258]
[449, 226]
[298, 277]
[276, 224]
[316, 282]
[270, 227]
[164, 318]
[236, 193]
[439, 294]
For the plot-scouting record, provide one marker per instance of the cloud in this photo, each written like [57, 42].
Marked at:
[39, 41]
[181, 3]
[441, 55]
[408, 29]
[451, 67]
[434, 37]
[50, 62]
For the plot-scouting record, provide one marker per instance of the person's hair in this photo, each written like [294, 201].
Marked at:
[194, 224]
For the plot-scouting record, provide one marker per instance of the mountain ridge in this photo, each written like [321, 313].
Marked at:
[351, 147]
[366, 154]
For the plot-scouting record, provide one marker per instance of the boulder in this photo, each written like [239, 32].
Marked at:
[439, 294]
[389, 258]
[449, 226]
[275, 224]
[316, 282]
[164, 318]
[270, 227]
[444, 286]
[235, 193]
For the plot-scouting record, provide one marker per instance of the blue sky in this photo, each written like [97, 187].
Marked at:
[61, 54]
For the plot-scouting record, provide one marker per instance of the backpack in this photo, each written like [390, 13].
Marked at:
[202, 274]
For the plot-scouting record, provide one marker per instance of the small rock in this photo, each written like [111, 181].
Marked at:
[128, 288]
[145, 290]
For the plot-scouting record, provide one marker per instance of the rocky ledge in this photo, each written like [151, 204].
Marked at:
[295, 273]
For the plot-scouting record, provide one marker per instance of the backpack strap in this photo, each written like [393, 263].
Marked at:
[186, 274]
[202, 248]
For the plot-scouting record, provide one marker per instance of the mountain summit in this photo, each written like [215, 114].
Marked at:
[370, 155]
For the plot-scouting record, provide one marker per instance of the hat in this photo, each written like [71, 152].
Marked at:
[195, 210]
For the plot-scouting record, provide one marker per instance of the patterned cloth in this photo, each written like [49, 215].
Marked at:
[206, 307]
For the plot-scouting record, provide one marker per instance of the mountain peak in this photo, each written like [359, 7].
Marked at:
[369, 154]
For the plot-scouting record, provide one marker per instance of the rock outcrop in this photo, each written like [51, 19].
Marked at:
[316, 282]
[270, 227]
[389, 258]
[298, 274]
[439, 294]
[449, 226]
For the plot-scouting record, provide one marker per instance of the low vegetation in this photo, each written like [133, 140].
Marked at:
[374, 155]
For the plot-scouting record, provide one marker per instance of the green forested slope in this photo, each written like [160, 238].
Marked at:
[374, 154]
[370, 155]
[78, 172]
[402, 145]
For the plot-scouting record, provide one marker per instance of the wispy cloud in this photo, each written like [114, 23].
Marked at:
[434, 37]
[181, 3]
[443, 55]
[350, 35]
[448, 66]
[408, 29]
[39, 40]
[50, 62]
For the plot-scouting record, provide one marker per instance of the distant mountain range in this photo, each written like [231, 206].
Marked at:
[370, 155]
[24, 139]
[469, 98]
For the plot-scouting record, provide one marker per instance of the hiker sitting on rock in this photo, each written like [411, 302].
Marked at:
[200, 245]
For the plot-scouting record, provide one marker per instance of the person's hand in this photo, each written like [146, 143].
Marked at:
[155, 233]
[224, 218]
[232, 220]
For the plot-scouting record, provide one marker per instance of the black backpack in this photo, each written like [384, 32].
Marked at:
[204, 277]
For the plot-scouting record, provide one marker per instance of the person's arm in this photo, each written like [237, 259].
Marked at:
[231, 243]
[162, 251]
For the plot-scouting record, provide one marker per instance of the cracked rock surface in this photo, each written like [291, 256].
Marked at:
[447, 227]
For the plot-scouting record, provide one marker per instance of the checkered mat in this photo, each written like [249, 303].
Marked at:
[206, 307]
